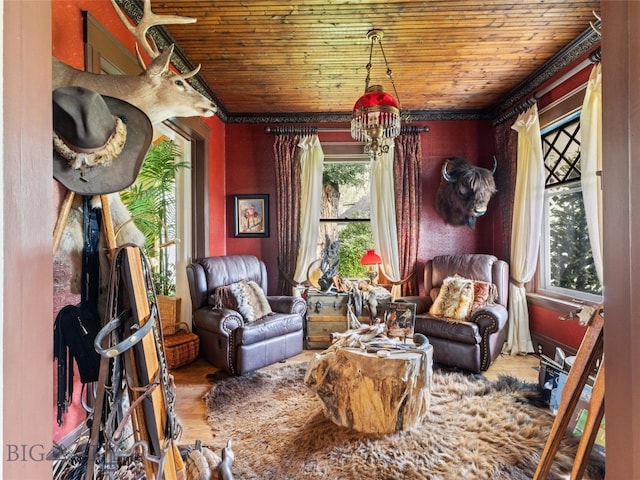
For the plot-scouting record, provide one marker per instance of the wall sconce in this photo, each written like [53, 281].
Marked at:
[371, 259]
[376, 114]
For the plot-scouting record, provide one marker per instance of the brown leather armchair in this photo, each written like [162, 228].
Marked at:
[227, 341]
[474, 344]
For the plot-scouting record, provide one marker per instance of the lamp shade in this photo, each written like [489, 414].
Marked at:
[370, 258]
[376, 115]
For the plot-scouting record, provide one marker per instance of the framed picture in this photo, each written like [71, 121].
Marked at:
[251, 215]
[400, 319]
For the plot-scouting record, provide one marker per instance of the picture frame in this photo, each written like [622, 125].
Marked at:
[400, 320]
[251, 214]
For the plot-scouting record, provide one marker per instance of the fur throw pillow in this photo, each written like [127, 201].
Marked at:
[251, 301]
[454, 299]
[246, 297]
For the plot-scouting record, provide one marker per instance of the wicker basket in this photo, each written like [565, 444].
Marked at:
[169, 309]
[182, 347]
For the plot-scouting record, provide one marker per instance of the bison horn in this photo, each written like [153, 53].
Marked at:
[445, 174]
[495, 165]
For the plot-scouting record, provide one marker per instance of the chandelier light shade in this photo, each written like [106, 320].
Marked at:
[376, 114]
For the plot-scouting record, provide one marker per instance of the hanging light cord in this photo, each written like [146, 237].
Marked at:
[375, 38]
[368, 79]
[390, 75]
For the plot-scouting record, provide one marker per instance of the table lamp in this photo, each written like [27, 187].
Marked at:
[371, 259]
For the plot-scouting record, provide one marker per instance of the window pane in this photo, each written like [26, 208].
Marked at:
[569, 252]
[355, 239]
[346, 196]
[566, 260]
[345, 190]
[561, 149]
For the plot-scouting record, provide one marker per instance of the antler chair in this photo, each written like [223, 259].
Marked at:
[234, 341]
[472, 343]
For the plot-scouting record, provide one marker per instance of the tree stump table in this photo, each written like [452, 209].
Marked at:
[369, 393]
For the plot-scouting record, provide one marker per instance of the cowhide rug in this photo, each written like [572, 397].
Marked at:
[476, 429]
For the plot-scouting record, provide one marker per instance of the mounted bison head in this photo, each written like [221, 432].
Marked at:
[464, 194]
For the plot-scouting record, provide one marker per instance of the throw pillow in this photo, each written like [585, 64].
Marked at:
[250, 300]
[454, 299]
[483, 293]
[223, 298]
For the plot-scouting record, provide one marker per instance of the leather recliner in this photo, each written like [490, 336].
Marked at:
[226, 340]
[473, 344]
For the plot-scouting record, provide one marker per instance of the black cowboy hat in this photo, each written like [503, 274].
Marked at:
[99, 142]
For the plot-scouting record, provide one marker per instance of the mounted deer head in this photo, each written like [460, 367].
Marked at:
[158, 91]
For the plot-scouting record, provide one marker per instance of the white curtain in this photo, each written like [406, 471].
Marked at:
[591, 162]
[311, 166]
[526, 227]
[383, 215]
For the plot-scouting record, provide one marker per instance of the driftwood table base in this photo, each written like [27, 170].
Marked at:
[372, 394]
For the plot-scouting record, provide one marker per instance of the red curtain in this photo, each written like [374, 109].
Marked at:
[407, 166]
[287, 207]
[506, 153]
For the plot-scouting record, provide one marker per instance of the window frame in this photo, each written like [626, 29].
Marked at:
[348, 152]
[544, 286]
[539, 289]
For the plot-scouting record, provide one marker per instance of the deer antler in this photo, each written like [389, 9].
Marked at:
[148, 20]
[593, 27]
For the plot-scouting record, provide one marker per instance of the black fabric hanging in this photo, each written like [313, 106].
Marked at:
[76, 326]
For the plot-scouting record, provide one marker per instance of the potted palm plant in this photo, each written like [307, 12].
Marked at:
[152, 204]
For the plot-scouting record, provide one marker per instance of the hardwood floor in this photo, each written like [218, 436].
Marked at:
[192, 384]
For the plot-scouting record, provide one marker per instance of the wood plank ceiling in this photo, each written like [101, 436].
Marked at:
[269, 57]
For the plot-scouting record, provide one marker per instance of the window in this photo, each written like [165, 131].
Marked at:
[346, 207]
[567, 269]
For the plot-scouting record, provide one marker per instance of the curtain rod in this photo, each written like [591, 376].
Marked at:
[313, 130]
[595, 57]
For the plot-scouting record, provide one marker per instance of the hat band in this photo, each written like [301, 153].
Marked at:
[88, 157]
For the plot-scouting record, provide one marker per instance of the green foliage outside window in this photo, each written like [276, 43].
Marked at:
[346, 195]
[571, 257]
[355, 239]
[152, 204]
[568, 249]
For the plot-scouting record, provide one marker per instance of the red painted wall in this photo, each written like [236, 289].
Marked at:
[471, 140]
[67, 28]
[217, 187]
[545, 322]
[250, 169]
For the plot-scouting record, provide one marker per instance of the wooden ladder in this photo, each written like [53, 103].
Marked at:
[586, 358]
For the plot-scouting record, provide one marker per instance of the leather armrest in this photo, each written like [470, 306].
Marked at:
[197, 286]
[287, 304]
[423, 303]
[219, 321]
[490, 318]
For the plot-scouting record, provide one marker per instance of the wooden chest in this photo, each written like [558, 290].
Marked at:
[327, 313]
